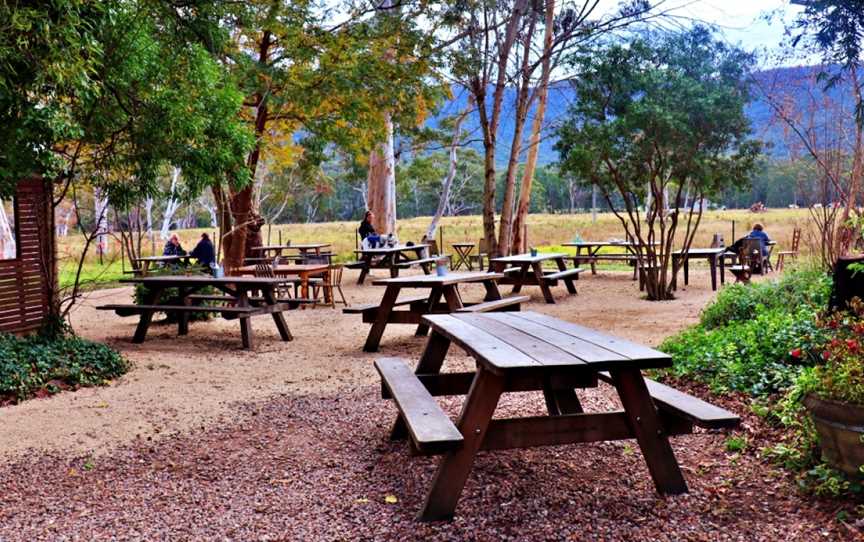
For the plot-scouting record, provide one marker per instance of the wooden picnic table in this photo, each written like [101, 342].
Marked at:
[303, 271]
[715, 259]
[145, 262]
[592, 253]
[392, 258]
[446, 287]
[527, 351]
[236, 293]
[305, 249]
[463, 255]
[527, 270]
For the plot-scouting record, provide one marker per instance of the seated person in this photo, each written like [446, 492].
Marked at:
[757, 233]
[173, 248]
[204, 251]
[367, 231]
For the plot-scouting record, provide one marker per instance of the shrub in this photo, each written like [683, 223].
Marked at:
[751, 356]
[742, 302]
[37, 362]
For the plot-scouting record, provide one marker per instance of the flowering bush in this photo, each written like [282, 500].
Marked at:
[839, 374]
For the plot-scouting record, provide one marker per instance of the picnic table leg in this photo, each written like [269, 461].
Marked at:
[560, 402]
[451, 295]
[153, 294]
[245, 321]
[722, 268]
[183, 317]
[544, 286]
[492, 291]
[455, 466]
[686, 271]
[523, 272]
[367, 264]
[568, 282]
[645, 424]
[430, 362]
[384, 310]
[712, 263]
[434, 299]
[278, 317]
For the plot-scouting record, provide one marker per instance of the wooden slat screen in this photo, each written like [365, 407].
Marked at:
[24, 287]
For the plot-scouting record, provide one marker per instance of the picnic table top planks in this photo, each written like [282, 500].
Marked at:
[701, 251]
[391, 250]
[528, 258]
[160, 258]
[429, 281]
[529, 340]
[175, 280]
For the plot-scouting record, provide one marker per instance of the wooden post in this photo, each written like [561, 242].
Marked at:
[280, 236]
[733, 231]
[269, 226]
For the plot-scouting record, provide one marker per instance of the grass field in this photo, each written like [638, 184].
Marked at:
[543, 231]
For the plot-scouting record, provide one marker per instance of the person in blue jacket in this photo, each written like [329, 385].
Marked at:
[759, 233]
[204, 251]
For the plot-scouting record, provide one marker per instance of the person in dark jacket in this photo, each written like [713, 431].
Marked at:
[367, 230]
[204, 251]
[173, 248]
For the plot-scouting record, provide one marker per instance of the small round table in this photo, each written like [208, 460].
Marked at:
[463, 252]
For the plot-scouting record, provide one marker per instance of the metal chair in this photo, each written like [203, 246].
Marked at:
[793, 254]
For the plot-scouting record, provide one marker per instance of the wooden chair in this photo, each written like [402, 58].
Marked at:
[751, 251]
[265, 270]
[793, 254]
[333, 283]
[742, 270]
[482, 252]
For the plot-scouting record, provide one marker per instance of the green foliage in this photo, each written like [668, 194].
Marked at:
[169, 296]
[36, 362]
[106, 89]
[736, 443]
[661, 108]
[742, 302]
[754, 338]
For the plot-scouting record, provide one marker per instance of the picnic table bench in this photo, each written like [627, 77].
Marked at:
[237, 291]
[392, 258]
[527, 270]
[527, 351]
[443, 297]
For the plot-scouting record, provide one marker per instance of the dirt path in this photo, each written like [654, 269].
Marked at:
[189, 382]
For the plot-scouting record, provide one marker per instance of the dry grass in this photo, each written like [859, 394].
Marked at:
[543, 231]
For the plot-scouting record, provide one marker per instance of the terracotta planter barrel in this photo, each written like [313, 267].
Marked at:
[841, 428]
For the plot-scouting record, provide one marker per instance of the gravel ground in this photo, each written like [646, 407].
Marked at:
[321, 468]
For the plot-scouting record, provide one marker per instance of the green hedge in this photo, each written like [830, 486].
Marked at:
[33, 363]
[744, 338]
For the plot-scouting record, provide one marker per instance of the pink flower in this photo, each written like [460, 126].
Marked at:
[826, 355]
[796, 353]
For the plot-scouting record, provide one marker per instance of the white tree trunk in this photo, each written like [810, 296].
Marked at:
[382, 182]
[148, 213]
[171, 206]
[8, 250]
[100, 211]
[444, 202]
[211, 209]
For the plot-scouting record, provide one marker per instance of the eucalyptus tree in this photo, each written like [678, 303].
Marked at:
[104, 94]
[660, 114]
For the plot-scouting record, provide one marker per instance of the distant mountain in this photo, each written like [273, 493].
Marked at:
[765, 127]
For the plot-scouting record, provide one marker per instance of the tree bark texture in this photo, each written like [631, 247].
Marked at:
[519, 241]
[381, 180]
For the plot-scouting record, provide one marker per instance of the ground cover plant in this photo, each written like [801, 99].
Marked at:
[42, 364]
[775, 342]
